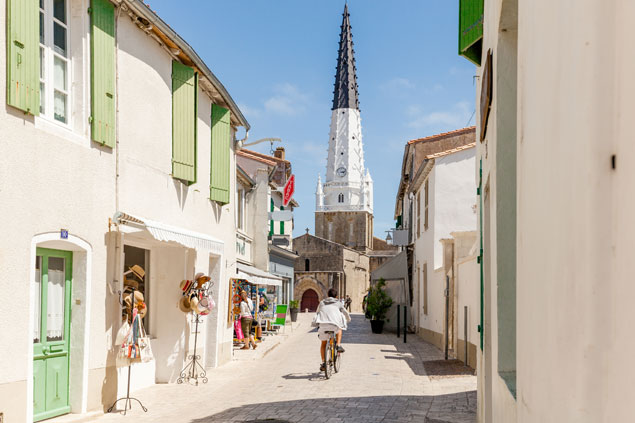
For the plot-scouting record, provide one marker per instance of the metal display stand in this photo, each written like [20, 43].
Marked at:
[128, 405]
[194, 370]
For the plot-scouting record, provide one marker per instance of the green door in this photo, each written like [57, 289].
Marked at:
[51, 335]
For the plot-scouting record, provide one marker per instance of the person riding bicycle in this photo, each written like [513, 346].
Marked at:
[331, 317]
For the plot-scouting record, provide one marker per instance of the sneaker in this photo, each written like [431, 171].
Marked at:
[340, 349]
[322, 367]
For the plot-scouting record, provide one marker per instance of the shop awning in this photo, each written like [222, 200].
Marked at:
[257, 276]
[167, 233]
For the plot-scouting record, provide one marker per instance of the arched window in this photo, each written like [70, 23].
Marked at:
[340, 198]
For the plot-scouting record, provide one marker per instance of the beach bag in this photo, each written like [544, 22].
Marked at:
[238, 329]
[145, 349]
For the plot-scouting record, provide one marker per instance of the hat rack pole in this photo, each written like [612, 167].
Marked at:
[193, 370]
[128, 398]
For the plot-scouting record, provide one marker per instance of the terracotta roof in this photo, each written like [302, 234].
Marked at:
[257, 156]
[444, 135]
[451, 151]
[263, 156]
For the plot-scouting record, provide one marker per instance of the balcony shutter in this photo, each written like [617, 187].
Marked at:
[471, 30]
[184, 98]
[221, 134]
[102, 68]
[23, 55]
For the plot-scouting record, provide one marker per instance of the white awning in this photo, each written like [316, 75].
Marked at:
[167, 233]
[256, 276]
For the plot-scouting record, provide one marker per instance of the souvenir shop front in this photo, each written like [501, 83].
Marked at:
[263, 290]
[162, 265]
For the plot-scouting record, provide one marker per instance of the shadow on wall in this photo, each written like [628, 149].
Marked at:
[451, 407]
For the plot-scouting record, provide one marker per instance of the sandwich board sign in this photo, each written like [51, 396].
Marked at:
[289, 189]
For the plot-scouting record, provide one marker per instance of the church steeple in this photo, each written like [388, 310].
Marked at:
[345, 95]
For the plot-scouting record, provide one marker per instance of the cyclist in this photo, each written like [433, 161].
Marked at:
[331, 317]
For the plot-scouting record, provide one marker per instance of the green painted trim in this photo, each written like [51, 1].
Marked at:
[470, 39]
[184, 99]
[271, 221]
[220, 169]
[480, 257]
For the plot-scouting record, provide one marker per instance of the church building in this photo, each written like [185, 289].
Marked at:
[341, 253]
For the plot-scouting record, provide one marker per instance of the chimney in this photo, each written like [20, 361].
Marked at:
[279, 153]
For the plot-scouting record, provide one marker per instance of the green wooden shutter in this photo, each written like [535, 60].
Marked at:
[471, 30]
[221, 137]
[102, 68]
[23, 55]
[271, 221]
[282, 223]
[184, 87]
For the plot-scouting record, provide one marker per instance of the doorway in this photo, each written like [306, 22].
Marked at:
[51, 334]
[310, 300]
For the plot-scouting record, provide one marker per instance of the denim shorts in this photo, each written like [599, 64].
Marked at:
[326, 327]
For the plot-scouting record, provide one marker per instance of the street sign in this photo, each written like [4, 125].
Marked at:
[289, 189]
[281, 215]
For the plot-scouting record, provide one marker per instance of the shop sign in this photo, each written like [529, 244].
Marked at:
[63, 233]
[289, 189]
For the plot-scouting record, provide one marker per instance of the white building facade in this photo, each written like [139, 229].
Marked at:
[117, 146]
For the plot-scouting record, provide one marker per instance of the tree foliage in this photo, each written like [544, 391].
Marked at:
[378, 302]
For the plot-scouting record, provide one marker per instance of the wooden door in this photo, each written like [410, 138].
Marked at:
[51, 335]
[310, 300]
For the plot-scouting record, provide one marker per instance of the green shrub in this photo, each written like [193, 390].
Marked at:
[378, 301]
[293, 304]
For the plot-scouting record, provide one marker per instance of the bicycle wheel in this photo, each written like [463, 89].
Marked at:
[328, 364]
[337, 359]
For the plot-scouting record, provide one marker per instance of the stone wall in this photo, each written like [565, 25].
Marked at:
[351, 229]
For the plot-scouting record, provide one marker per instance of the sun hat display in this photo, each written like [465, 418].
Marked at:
[138, 297]
[193, 303]
[202, 307]
[184, 304]
[130, 282]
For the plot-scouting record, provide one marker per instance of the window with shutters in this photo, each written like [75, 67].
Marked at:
[54, 61]
[241, 208]
[425, 220]
[282, 223]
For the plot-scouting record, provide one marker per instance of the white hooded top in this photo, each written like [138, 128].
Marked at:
[331, 310]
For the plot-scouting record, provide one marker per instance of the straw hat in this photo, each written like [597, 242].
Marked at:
[184, 304]
[193, 303]
[137, 271]
[131, 283]
[185, 285]
[138, 297]
[202, 307]
[201, 279]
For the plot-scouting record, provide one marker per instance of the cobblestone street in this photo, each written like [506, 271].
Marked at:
[381, 380]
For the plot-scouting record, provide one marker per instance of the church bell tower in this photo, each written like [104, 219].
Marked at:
[344, 203]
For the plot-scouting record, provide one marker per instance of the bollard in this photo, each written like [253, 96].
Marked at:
[398, 321]
[405, 325]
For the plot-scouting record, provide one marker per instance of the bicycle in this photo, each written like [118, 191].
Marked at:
[332, 357]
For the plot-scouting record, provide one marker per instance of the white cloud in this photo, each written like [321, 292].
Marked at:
[456, 117]
[398, 84]
[288, 101]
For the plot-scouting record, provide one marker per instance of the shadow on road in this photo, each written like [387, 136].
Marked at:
[307, 376]
[452, 408]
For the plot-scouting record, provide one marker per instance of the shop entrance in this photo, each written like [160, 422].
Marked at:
[51, 335]
[309, 300]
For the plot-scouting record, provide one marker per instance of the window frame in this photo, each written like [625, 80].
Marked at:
[426, 202]
[47, 63]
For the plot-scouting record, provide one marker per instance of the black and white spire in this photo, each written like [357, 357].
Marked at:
[345, 95]
[348, 185]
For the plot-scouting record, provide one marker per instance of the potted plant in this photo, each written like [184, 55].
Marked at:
[293, 310]
[377, 306]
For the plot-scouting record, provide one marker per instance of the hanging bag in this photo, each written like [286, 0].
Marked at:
[238, 329]
[145, 349]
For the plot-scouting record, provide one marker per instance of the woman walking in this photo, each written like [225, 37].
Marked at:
[246, 308]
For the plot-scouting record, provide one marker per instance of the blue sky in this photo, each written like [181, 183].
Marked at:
[277, 59]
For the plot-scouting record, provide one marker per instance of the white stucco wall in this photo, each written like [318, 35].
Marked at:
[54, 177]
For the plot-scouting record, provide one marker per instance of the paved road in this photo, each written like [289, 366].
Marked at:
[381, 380]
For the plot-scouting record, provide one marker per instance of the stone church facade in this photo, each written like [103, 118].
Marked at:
[341, 253]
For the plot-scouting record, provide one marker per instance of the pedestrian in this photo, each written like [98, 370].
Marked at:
[246, 320]
[348, 302]
[365, 306]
